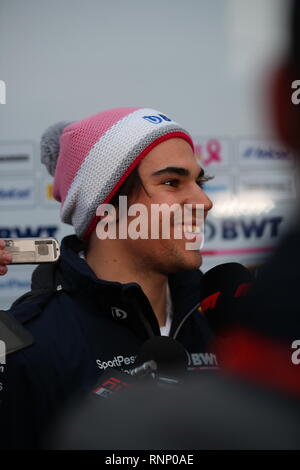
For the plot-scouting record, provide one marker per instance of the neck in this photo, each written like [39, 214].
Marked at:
[110, 261]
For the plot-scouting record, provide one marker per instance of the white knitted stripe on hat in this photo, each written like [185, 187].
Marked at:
[120, 171]
[107, 162]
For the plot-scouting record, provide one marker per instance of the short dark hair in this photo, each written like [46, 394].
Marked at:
[131, 186]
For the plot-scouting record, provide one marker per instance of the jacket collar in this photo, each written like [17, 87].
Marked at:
[185, 287]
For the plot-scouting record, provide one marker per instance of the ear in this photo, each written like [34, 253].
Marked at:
[285, 114]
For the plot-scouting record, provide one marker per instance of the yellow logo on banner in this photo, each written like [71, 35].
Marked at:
[198, 153]
[49, 191]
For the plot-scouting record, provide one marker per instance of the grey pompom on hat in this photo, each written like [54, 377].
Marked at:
[50, 142]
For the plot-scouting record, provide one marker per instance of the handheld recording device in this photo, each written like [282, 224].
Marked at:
[32, 250]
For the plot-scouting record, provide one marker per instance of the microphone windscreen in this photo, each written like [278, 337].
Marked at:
[221, 288]
[225, 277]
[169, 355]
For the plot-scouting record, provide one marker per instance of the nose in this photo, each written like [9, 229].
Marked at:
[206, 201]
[208, 204]
[198, 196]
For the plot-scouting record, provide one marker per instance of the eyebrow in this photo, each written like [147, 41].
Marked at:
[177, 170]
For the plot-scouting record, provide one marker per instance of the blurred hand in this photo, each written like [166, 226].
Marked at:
[5, 258]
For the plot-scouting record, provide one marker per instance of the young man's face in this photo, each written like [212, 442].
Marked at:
[170, 175]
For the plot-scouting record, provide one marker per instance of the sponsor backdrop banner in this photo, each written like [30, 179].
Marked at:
[254, 193]
[27, 209]
[253, 190]
[203, 66]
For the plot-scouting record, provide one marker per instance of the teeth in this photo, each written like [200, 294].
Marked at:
[192, 229]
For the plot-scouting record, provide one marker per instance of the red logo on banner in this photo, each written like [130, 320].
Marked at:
[213, 151]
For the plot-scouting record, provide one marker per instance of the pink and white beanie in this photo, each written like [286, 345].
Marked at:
[91, 159]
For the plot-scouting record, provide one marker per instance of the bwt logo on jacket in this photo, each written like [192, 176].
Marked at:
[28, 232]
[202, 359]
[117, 361]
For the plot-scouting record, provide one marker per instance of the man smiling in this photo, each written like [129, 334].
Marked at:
[169, 175]
[109, 295]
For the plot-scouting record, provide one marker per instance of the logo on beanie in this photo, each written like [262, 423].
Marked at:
[157, 119]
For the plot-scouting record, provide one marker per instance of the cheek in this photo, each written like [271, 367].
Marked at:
[160, 214]
[147, 250]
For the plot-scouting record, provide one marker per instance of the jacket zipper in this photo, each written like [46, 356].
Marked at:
[184, 319]
[142, 316]
[149, 328]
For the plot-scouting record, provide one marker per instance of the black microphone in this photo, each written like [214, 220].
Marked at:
[158, 369]
[222, 286]
[144, 369]
[161, 359]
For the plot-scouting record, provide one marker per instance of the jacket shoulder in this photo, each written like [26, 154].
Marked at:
[46, 281]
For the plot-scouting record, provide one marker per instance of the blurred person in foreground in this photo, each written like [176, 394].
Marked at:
[267, 322]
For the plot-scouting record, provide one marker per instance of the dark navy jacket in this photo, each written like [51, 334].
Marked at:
[82, 328]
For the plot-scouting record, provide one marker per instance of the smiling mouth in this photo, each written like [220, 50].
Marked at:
[190, 232]
[197, 229]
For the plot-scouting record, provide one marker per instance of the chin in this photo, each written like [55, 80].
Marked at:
[174, 258]
[194, 261]
[188, 262]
